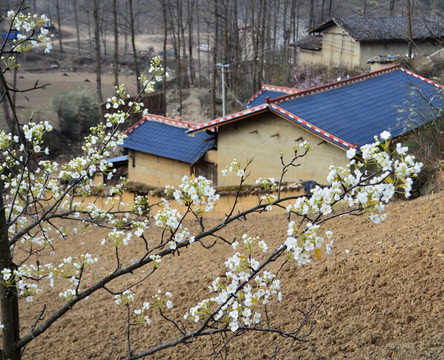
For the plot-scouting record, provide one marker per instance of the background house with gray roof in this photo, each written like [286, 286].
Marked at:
[351, 41]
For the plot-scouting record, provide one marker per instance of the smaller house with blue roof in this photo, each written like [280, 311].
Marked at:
[160, 152]
[332, 118]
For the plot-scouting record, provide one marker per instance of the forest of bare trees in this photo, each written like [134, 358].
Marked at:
[251, 41]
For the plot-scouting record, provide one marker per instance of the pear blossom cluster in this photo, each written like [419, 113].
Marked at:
[270, 200]
[125, 298]
[195, 191]
[156, 71]
[69, 269]
[16, 278]
[300, 243]
[141, 316]
[140, 205]
[140, 227]
[268, 184]
[160, 301]
[236, 304]
[171, 220]
[31, 32]
[156, 259]
[234, 168]
[117, 238]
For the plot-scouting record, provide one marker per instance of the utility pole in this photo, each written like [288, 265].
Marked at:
[224, 102]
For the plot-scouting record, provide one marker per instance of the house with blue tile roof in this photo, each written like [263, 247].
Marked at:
[160, 152]
[332, 118]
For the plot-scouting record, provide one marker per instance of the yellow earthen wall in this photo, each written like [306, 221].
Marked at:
[253, 138]
[155, 170]
[310, 57]
[339, 49]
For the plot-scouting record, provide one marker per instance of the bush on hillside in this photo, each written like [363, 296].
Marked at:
[77, 112]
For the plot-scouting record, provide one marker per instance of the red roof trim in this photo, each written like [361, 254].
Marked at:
[422, 78]
[280, 89]
[335, 85]
[306, 124]
[161, 119]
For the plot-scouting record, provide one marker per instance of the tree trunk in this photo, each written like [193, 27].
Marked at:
[364, 7]
[181, 30]
[190, 10]
[76, 19]
[311, 20]
[59, 25]
[199, 68]
[116, 44]
[392, 7]
[133, 44]
[285, 31]
[165, 36]
[263, 19]
[8, 295]
[322, 10]
[98, 56]
[276, 10]
[255, 39]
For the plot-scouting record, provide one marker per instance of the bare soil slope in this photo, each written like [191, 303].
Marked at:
[380, 294]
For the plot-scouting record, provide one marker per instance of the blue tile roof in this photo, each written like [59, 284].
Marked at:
[358, 111]
[168, 141]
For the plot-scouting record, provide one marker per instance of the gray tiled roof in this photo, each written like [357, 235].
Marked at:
[310, 43]
[387, 28]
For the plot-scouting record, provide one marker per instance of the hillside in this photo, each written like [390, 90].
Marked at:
[380, 294]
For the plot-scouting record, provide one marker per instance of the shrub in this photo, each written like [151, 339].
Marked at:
[77, 111]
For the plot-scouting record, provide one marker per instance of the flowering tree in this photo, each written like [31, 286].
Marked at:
[38, 199]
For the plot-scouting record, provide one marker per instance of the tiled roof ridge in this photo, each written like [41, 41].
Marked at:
[334, 85]
[226, 118]
[315, 129]
[161, 119]
[272, 88]
[280, 88]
